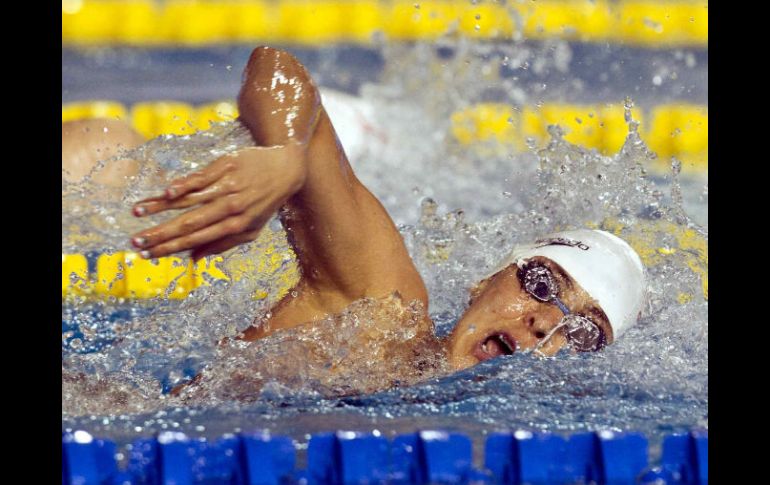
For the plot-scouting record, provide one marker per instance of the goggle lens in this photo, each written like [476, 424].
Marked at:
[540, 283]
[580, 331]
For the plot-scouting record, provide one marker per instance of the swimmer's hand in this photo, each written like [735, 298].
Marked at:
[230, 201]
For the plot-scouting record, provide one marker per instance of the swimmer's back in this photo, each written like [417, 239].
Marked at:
[86, 142]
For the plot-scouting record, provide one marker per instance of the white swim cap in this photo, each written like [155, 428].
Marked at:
[604, 265]
[355, 121]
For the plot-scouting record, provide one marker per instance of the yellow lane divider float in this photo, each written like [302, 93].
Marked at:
[679, 130]
[155, 118]
[311, 22]
[125, 275]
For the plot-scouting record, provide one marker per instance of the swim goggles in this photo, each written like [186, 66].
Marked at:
[582, 333]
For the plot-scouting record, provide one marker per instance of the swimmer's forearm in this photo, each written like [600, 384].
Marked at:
[279, 102]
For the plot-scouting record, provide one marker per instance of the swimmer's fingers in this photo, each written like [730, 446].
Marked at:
[219, 179]
[200, 227]
[221, 245]
[240, 228]
[202, 178]
[193, 240]
[192, 221]
[154, 205]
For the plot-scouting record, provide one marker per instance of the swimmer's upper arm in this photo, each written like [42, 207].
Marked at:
[347, 244]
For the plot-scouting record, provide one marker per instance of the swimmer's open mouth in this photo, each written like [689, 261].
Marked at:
[496, 344]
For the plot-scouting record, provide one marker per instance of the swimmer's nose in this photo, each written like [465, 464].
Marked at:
[543, 321]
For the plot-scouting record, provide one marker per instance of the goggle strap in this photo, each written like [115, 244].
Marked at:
[550, 334]
[561, 306]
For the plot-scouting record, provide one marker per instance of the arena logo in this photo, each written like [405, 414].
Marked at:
[561, 241]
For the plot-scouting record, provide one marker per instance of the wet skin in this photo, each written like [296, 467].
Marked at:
[347, 245]
[86, 142]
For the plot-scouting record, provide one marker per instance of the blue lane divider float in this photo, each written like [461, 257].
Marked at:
[425, 457]
[86, 460]
[432, 457]
[684, 460]
[604, 457]
[171, 458]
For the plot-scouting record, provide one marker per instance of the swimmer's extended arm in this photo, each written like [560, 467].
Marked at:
[348, 247]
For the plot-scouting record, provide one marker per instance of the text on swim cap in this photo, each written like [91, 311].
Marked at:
[561, 241]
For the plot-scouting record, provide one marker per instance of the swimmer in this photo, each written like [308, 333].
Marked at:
[578, 289]
[86, 142]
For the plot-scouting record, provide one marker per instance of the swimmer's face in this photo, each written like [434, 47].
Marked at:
[503, 317]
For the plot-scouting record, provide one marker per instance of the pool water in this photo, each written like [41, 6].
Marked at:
[460, 209]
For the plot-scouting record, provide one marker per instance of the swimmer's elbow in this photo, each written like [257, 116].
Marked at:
[271, 70]
[278, 99]
[270, 57]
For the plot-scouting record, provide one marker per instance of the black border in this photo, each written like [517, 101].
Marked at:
[31, 186]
